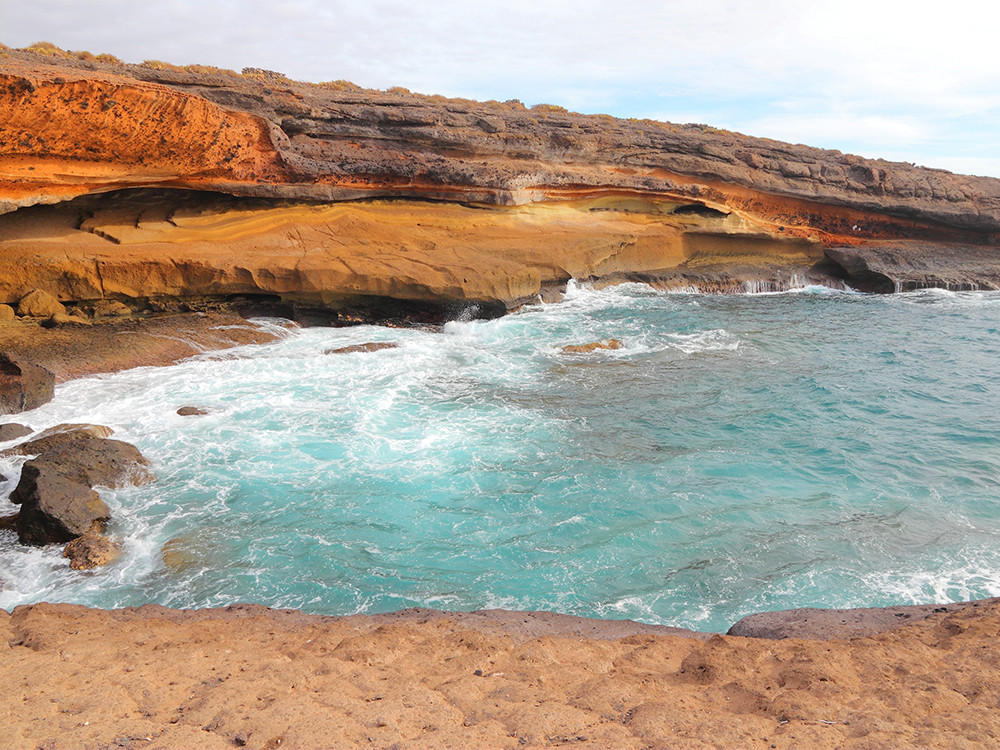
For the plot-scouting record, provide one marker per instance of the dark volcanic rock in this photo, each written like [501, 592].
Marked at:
[55, 509]
[23, 386]
[821, 624]
[13, 431]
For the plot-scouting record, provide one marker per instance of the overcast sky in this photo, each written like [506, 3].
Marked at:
[906, 81]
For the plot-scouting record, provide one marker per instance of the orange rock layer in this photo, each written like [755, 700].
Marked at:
[473, 203]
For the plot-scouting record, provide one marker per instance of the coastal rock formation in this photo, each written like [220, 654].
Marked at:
[13, 431]
[371, 346]
[39, 304]
[23, 386]
[259, 678]
[823, 624]
[191, 411]
[55, 491]
[133, 182]
[91, 550]
[593, 346]
[54, 508]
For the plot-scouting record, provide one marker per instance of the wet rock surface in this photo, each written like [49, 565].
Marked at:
[371, 346]
[92, 550]
[54, 508]
[55, 489]
[822, 624]
[23, 386]
[608, 344]
[191, 411]
[13, 431]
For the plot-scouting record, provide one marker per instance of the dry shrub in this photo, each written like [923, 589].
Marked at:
[105, 57]
[85, 56]
[159, 65]
[48, 48]
[340, 86]
[261, 74]
[398, 90]
[209, 70]
[549, 108]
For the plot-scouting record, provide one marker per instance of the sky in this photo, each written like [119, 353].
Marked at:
[905, 81]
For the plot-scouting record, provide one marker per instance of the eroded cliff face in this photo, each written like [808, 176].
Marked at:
[137, 181]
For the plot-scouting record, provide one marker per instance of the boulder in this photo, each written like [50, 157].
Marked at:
[23, 386]
[191, 411]
[89, 460]
[54, 508]
[94, 430]
[91, 551]
[371, 346]
[39, 304]
[587, 348]
[13, 431]
[6, 313]
[109, 308]
[62, 319]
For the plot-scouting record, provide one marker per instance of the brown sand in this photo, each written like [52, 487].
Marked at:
[247, 676]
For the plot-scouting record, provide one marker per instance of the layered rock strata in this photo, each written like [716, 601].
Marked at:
[329, 196]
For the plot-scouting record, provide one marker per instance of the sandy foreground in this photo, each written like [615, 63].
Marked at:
[247, 676]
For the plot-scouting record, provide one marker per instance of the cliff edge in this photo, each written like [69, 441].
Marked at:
[142, 181]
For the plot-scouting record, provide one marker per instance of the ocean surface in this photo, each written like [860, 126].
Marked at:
[741, 453]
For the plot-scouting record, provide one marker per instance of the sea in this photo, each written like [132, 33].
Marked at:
[739, 453]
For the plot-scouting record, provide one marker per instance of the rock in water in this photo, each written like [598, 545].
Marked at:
[91, 551]
[23, 386]
[13, 431]
[191, 411]
[94, 430]
[89, 460]
[40, 304]
[371, 346]
[587, 348]
[55, 509]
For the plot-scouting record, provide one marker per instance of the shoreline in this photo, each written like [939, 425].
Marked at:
[249, 676]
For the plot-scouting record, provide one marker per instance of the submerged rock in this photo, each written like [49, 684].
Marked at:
[192, 411]
[23, 386]
[91, 551]
[54, 508]
[371, 346]
[586, 348]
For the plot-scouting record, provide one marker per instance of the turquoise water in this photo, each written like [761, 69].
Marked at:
[740, 453]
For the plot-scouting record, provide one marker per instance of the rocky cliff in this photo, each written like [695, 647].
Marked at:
[147, 181]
